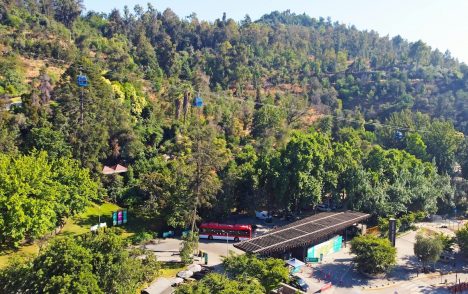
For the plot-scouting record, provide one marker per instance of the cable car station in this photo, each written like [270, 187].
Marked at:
[307, 238]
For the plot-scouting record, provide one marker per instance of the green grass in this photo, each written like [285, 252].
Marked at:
[76, 225]
[170, 269]
[29, 250]
[81, 223]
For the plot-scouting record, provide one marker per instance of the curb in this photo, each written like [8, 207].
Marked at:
[390, 284]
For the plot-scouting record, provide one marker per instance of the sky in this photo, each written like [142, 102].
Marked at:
[442, 24]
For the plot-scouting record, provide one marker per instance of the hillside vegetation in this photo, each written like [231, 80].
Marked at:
[296, 111]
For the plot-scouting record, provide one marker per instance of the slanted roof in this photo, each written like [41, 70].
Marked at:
[107, 170]
[120, 168]
[114, 169]
[302, 232]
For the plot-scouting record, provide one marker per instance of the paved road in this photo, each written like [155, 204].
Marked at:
[168, 250]
[338, 269]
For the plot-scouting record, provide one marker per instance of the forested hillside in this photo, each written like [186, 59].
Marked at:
[295, 111]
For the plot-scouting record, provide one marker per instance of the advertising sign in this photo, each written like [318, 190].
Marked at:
[125, 216]
[331, 246]
[114, 218]
[119, 217]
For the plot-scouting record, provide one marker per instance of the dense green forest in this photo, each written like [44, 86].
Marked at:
[296, 110]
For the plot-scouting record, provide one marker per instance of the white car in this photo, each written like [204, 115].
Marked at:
[263, 215]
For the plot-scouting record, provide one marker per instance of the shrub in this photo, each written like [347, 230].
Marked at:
[428, 249]
[142, 237]
[269, 271]
[374, 255]
[189, 244]
[462, 239]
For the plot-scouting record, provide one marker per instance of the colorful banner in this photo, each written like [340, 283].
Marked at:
[125, 216]
[114, 218]
[119, 217]
[328, 247]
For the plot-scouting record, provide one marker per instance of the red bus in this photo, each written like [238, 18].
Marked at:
[217, 231]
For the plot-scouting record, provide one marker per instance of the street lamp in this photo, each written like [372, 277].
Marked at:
[227, 243]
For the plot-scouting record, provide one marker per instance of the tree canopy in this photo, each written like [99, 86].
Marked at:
[89, 264]
[373, 254]
[295, 111]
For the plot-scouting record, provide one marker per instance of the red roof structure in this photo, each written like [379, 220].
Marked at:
[116, 169]
[107, 170]
[120, 168]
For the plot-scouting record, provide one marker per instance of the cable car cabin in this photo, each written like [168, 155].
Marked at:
[399, 135]
[198, 102]
[82, 81]
[217, 231]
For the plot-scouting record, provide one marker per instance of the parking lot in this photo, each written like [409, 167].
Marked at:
[167, 249]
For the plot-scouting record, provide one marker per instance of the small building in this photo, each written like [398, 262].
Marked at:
[302, 239]
[116, 169]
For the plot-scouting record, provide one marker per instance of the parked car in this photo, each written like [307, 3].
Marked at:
[277, 214]
[323, 207]
[292, 217]
[262, 215]
[446, 256]
[299, 283]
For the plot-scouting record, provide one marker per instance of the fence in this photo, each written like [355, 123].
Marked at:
[373, 230]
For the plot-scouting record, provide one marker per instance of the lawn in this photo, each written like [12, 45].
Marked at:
[23, 251]
[77, 225]
[170, 269]
[81, 223]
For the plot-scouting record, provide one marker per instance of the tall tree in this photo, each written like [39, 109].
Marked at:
[67, 11]
[373, 255]
[442, 142]
[428, 249]
[93, 127]
[303, 169]
[38, 193]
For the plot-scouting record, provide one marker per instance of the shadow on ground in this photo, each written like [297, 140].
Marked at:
[339, 274]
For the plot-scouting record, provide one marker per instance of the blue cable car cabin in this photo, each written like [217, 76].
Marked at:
[198, 102]
[82, 81]
[399, 135]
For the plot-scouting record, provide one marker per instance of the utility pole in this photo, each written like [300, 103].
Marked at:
[227, 244]
[81, 107]
[82, 81]
[198, 103]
